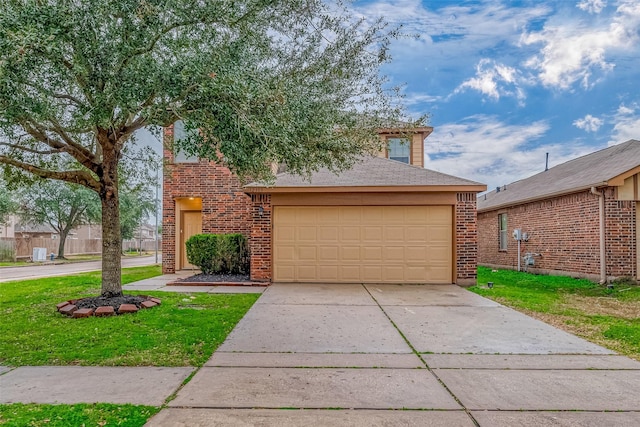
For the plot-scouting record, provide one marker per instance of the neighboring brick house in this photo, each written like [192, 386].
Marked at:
[580, 218]
[381, 221]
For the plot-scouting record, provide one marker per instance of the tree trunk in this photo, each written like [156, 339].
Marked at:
[63, 239]
[111, 240]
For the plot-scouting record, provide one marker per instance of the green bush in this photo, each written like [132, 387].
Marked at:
[219, 253]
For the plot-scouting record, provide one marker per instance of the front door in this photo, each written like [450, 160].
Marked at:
[191, 224]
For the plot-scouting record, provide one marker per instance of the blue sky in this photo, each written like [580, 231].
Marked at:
[507, 81]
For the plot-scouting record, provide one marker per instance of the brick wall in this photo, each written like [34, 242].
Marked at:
[225, 207]
[466, 240]
[261, 237]
[565, 232]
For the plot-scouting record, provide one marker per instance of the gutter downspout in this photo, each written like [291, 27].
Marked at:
[603, 264]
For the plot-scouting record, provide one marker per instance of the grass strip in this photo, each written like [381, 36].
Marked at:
[88, 415]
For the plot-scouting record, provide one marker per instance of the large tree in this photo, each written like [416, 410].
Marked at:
[287, 81]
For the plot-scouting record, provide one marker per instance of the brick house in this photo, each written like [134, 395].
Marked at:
[387, 219]
[580, 218]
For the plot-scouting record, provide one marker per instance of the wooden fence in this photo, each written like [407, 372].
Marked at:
[22, 248]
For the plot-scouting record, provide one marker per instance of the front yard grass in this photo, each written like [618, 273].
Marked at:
[183, 331]
[100, 414]
[608, 317]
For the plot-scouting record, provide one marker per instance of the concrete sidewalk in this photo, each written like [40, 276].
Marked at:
[164, 283]
[366, 356]
[402, 355]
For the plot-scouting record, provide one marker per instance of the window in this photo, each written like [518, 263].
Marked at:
[180, 133]
[399, 149]
[502, 226]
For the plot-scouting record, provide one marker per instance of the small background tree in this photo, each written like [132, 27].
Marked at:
[61, 205]
[8, 205]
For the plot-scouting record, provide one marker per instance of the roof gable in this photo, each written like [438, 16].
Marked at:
[592, 170]
[368, 172]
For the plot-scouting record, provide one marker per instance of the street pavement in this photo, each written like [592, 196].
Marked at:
[46, 269]
[374, 355]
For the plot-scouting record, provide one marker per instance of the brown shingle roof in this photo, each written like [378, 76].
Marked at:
[369, 172]
[592, 170]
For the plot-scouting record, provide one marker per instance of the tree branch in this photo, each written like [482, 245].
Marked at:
[31, 150]
[84, 156]
[80, 177]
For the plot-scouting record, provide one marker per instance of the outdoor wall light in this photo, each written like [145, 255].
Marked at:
[260, 210]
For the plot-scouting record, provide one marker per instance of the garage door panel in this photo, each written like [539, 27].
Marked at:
[328, 273]
[373, 215]
[350, 253]
[393, 253]
[308, 254]
[415, 273]
[417, 233]
[285, 253]
[371, 254]
[285, 234]
[439, 233]
[394, 233]
[327, 215]
[349, 273]
[393, 274]
[306, 273]
[307, 233]
[363, 244]
[328, 254]
[416, 254]
[328, 234]
[286, 273]
[349, 216]
[372, 234]
[350, 234]
[371, 273]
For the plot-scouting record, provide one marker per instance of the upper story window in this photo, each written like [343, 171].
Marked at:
[399, 149]
[180, 133]
[502, 234]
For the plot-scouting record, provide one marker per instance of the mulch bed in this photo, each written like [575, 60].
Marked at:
[102, 306]
[218, 280]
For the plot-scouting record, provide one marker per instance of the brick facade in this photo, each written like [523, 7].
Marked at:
[564, 235]
[225, 207]
[466, 239]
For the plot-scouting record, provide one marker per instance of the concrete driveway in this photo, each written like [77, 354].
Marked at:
[379, 355]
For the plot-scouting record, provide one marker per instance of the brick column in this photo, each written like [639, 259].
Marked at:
[466, 239]
[260, 240]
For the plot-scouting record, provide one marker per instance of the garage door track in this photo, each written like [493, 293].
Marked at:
[374, 355]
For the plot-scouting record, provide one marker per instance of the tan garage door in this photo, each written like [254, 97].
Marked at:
[363, 244]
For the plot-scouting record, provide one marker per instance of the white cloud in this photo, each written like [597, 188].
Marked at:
[592, 6]
[574, 51]
[588, 123]
[626, 124]
[485, 149]
[453, 31]
[494, 80]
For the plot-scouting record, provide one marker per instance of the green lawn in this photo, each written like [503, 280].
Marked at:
[101, 414]
[183, 331]
[608, 317]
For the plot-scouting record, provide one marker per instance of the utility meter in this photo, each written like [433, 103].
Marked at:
[517, 234]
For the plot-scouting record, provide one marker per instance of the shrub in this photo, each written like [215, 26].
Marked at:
[219, 253]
